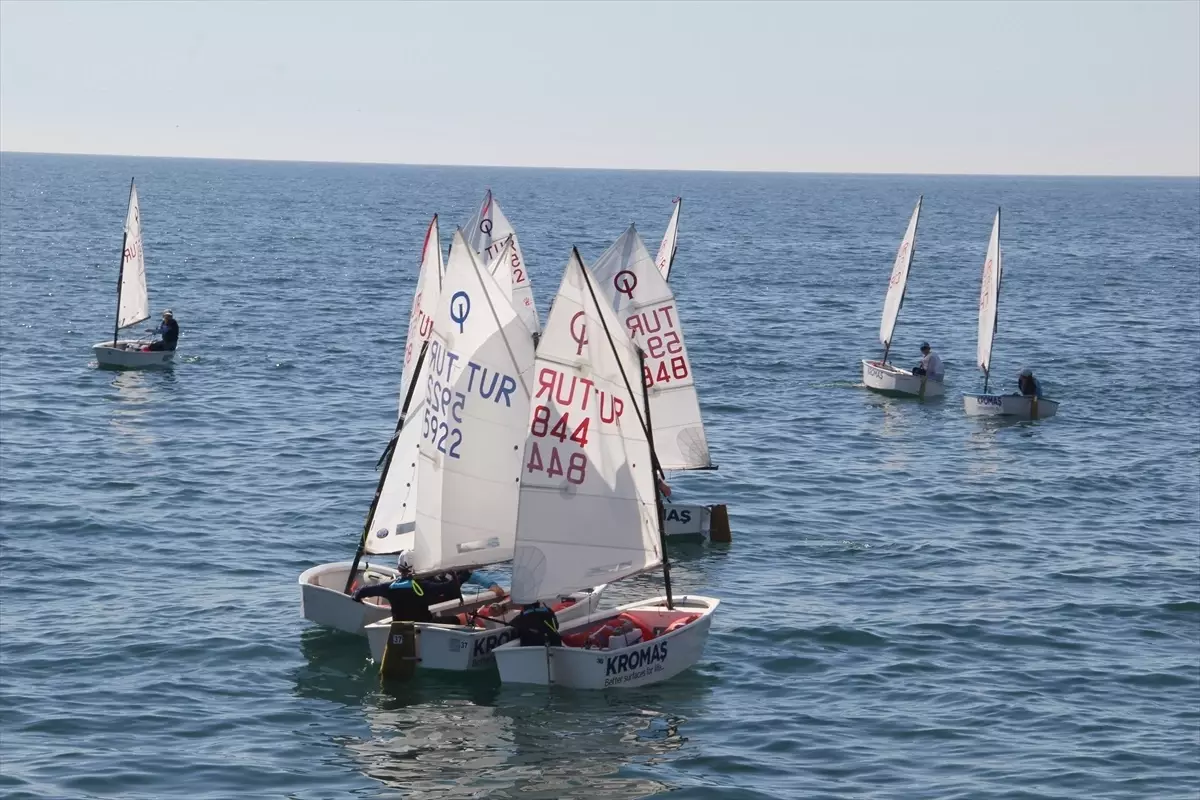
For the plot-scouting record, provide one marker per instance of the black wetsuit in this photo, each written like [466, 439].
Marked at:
[170, 335]
[537, 626]
[410, 598]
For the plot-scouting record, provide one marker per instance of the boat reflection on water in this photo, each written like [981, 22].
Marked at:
[448, 735]
[131, 405]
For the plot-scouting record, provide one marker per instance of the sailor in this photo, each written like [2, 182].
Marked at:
[476, 578]
[409, 598]
[931, 364]
[169, 330]
[537, 626]
[663, 488]
[1028, 385]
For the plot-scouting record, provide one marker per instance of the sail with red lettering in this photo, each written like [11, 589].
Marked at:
[670, 241]
[486, 232]
[642, 300]
[989, 299]
[134, 303]
[473, 422]
[899, 279]
[588, 512]
[420, 318]
[501, 264]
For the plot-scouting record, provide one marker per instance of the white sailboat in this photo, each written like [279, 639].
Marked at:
[998, 405]
[670, 242]
[589, 509]
[634, 287]
[881, 375]
[133, 302]
[390, 523]
[487, 232]
[474, 424]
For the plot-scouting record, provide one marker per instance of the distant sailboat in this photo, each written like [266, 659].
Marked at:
[133, 301]
[881, 375]
[589, 510]
[670, 242]
[998, 405]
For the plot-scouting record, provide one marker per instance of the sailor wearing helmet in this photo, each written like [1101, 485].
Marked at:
[409, 598]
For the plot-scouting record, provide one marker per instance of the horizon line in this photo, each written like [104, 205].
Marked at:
[1165, 176]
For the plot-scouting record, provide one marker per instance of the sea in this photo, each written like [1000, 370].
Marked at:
[914, 604]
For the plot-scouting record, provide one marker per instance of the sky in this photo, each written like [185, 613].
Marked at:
[1072, 88]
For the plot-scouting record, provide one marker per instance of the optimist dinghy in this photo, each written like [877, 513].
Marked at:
[998, 405]
[474, 422]
[636, 289]
[589, 507]
[133, 302]
[325, 589]
[882, 376]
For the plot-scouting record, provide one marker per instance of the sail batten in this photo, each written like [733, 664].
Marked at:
[645, 306]
[989, 299]
[898, 282]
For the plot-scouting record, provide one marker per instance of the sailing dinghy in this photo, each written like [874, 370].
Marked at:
[488, 233]
[998, 405]
[638, 293]
[881, 375]
[325, 589]
[474, 423]
[589, 509]
[133, 302]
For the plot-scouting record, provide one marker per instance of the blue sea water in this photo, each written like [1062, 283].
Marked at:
[915, 604]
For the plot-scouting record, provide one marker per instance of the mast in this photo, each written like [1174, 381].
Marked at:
[383, 473]
[645, 422]
[121, 269]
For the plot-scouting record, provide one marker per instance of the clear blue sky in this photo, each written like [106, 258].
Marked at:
[971, 87]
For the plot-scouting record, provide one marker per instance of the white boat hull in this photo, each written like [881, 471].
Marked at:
[1008, 405]
[684, 520]
[640, 664]
[129, 355]
[889, 378]
[464, 647]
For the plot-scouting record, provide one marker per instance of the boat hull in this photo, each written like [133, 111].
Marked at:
[1008, 405]
[890, 379]
[460, 648]
[640, 664]
[129, 355]
[685, 521]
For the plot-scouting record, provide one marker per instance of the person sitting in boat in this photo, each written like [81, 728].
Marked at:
[1028, 385]
[169, 330]
[537, 626]
[409, 598]
[476, 578]
[931, 364]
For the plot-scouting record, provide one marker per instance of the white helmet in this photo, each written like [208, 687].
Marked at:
[404, 561]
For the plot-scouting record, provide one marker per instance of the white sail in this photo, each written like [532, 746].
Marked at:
[474, 422]
[135, 302]
[420, 318]
[670, 241]
[486, 232]
[391, 527]
[588, 511]
[500, 266]
[644, 303]
[989, 299]
[899, 280]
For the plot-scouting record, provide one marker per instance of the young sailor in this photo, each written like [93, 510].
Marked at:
[409, 598]
[169, 330]
[1028, 385]
[931, 364]
[537, 626]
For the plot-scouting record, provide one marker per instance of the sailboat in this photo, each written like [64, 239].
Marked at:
[487, 233]
[643, 301]
[881, 375]
[589, 509]
[133, 302]
[998, 405]
[391, 519]
[474, 423]
[670, 242]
